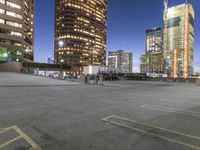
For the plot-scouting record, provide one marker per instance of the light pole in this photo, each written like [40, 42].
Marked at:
[26, 52]
[61, 44]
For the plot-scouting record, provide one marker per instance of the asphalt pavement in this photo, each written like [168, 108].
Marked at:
[48, 114]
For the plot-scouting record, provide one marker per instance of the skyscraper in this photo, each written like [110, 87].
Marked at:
[80, 33]
[153, 40]
[152, 63]
[16, 30]
[178, 40]
[152, 60]
[120, 61]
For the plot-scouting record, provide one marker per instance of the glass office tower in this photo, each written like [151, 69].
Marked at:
[153, 40]
[16, 30]
[152, 60]
[178, 40]
[80, 33]
[152, 63]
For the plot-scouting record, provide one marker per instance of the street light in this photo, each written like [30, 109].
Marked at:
[26, 52]
[5, 55]
[61, 44]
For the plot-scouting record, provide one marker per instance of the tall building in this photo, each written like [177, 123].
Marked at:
[152, 60]
[153, 40]
[120, 61]
[80, 33]
[16, 30]
[178, 40]
[152, 63]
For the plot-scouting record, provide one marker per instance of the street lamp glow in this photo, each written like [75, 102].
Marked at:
[61, 43]
[27, 50]
[5, 54]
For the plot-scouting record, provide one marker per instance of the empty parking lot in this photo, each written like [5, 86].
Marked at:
[40, 113]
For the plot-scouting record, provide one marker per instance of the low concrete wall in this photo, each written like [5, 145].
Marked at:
[189, 80]
[11, 67]
[179, 80]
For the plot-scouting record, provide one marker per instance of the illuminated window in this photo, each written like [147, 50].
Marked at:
[2, 1]
[13, 5]
[14, 24]
[16, 34]
[2, 11]
[2, 21]
[18, 44]
[9, 13]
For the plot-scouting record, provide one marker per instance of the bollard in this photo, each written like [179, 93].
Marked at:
[82, 79]
[96, 80]
[85, 79]
[101, 80]
[88, 79]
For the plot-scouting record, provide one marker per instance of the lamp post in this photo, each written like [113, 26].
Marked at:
[168, 67]
[26, 52]
[61, 44]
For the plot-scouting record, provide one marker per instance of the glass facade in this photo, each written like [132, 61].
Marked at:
[16, 30]
[152, 63]
[80, 33]
[120, 61]
[153, 40]
[152, 60]
[178, 40]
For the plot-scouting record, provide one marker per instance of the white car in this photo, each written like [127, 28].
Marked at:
[54, 75]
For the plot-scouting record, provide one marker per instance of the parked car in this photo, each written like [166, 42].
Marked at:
[137, 76]
[54, 75]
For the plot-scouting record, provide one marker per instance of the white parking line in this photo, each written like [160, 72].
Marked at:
[171, 109]
[109, 120]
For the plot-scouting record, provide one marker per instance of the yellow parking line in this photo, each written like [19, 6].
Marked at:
[21, 135]
[170, 109]
[27, 138]
[10, 141]
[3, 131]
[108, 119]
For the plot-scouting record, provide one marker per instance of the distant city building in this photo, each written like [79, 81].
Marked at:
[16, 30]
[152, 63]
[178, 40]
[80, 33]
[120, 61]
[153, 40]
[152, 60]
[50, 60]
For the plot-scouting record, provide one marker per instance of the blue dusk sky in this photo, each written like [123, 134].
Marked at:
[127, 22]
